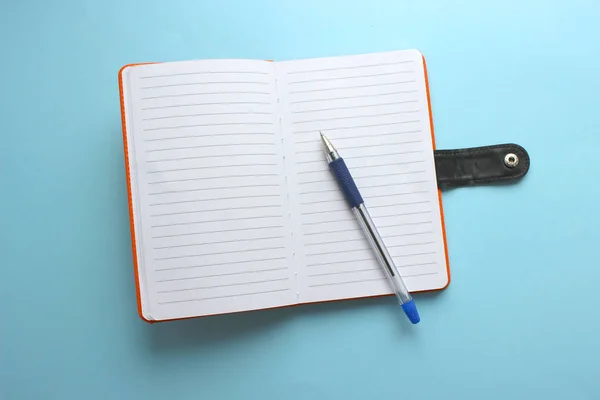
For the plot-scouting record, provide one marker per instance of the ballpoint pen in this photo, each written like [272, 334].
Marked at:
[356, 203]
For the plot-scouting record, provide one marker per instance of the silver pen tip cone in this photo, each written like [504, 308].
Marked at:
[327, 144]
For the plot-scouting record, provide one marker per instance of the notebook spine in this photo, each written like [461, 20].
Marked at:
[286, 183]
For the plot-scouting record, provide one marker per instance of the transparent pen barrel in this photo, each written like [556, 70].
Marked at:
[383, 257]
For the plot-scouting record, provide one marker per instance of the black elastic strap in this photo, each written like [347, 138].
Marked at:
[480, 165]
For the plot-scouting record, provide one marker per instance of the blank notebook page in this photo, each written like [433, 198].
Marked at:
[210, 208]
[374, 109]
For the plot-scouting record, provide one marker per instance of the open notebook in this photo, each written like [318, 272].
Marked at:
[232, 205]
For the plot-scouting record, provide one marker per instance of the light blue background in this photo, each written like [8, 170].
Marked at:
[521, 318]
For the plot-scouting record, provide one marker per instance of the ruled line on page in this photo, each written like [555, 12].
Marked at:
[322, 201]
[203, 73]
[310, 162]
[354, 107]
[336, 241]
[395, 153]
[376, 269]
[207, 104]
[213, 188]
[329, 221]
[351, 67]
[207, 135]
[339, 262]
[344, 272]
[361, 136]
[403, 214]
[346, 282]
[210, 177]
[408, 203]
[423, 274]
[358, 96]
[215, 199]
[363, 167]
[216, 209]
[204, 83]
[413, 254]
[415, 264]
[404, 224]
[375, 196]
[212, 156]
[358, 229]
[220, 264]
[333, 231]
[218, 242]
[218, 231]
[212, 145]
[351, 87]
[216, 220]
[358, 126]
[225, 285]
[397, 194]
[355, 116]
[198, 125]
[226, 296]
[235, 92]
[376, 217]
[349, 77]
[368, 280]
[211, 167]
[337, 252]
[320, 191]
[408, 234]
[393, 184]
[208, 114]
[330, 178]
[218, 253]
[323, 212]
[219, 275]
[366, 146]
[410, 244]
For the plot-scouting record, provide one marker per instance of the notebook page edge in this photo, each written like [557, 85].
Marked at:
[142, 305]
[441, 205]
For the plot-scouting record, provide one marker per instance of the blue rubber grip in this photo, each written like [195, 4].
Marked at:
[342, 175]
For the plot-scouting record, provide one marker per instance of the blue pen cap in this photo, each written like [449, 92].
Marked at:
[410, 309]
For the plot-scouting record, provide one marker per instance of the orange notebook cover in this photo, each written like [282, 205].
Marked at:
[232, 206]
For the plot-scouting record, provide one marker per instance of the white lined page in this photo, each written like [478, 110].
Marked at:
[209, 193]
[374, 109]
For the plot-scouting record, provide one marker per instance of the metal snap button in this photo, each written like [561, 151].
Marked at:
[511, 160]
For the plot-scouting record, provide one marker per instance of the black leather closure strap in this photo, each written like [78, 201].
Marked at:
[480, 165]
